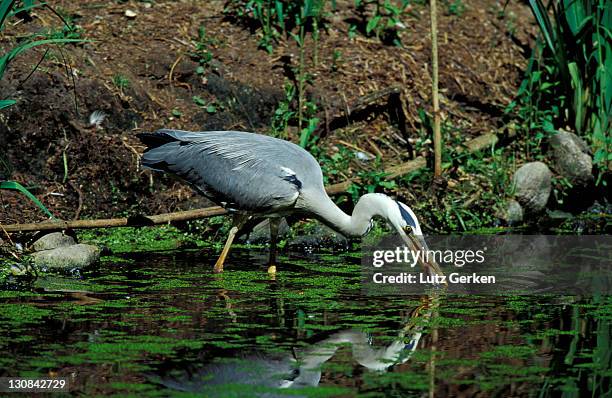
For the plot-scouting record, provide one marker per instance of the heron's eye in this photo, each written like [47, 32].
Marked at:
[408, 229]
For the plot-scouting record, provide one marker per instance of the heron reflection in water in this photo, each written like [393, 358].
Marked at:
[260, 374]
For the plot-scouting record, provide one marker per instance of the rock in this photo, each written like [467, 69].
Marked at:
[532, 186]
[53, 241]
[261, 232]
[130, 14]
[68, 257]
[320, 237]
[572, 159]
[18, 270]
[559, 215]
[513, 213]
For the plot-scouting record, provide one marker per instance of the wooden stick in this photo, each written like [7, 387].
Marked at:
[437, 136]
[405, 168]
[118, 222]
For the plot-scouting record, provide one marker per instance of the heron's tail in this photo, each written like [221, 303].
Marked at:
[163, 148]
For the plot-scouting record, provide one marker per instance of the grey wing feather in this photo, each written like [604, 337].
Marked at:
[240, 170]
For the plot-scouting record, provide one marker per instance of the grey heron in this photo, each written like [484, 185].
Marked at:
[255, 176]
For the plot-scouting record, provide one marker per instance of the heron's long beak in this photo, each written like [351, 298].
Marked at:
[416, 243]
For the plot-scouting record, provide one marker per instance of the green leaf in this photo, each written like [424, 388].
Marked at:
[211, 108]
[5, 7]
[307, 132]
[545, 86]
[539, 11]
[579, 103]
[574, 14]
[606, 77]
[308, 7]
[297, 39]
[198, 100]
[6, 103]
[27, 5]
[18, 187]
[599, 156]
[280, 15]
[372, 23]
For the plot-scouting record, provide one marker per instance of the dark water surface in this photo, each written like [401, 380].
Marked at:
[162, 324]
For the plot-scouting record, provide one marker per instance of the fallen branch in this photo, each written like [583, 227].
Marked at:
[139, 221]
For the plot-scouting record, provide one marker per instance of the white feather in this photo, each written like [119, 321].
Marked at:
[96, 119]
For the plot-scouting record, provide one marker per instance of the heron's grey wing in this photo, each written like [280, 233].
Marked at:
[239, 170]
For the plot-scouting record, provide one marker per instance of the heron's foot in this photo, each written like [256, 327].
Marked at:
[272, 269]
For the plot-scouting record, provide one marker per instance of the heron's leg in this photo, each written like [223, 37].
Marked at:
[239, 221]
[274, 223]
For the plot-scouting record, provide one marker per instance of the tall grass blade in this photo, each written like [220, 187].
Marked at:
[541, 16]
[18, 187]
[6, 103]
[579, 101]
[5, 8]
[26, 8]
[4, 61]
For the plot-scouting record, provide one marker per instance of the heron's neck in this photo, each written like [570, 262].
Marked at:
[357, 224]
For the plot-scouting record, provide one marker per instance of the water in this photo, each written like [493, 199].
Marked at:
[161, 324]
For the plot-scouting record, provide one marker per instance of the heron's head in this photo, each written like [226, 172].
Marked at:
[405, 222]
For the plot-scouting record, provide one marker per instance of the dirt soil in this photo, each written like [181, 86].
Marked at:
[139, 72]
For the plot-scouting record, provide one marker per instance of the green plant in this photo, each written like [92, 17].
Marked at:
[284, 112]
[479, 184]
[335, 165]
[202, 53]
[121, 81]
[8, 9]
[306, 18]
[336, 60]
[455, 7]
[296, 18]
[385, 16]
[306, 134]
[20, 188]
[371, 181]
[69, 29]
[210, 107]
[274, 18]
[561, 186]
[569, 79]
[536, 106]
[352, 31]
[267, 16]
[309, 11]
